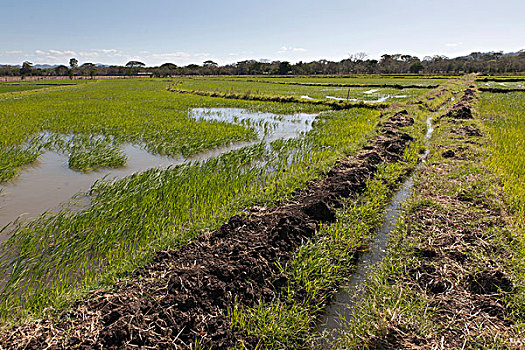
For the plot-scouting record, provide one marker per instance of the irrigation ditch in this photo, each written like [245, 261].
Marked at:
[452, 278]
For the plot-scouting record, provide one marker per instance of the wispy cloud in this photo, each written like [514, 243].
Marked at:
[14, 52]
[62, 53]
[89, 54]
[286, 49]
[180, 54]
[179, 57]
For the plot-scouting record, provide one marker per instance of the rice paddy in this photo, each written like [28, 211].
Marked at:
[155, 164]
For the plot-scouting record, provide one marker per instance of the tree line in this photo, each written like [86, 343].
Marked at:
[476, 62]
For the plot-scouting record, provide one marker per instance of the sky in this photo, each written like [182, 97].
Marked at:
[228, 31]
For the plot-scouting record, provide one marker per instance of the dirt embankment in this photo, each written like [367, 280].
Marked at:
[457, 255]
[183, 295]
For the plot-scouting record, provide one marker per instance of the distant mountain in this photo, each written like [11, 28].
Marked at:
[45, 66]
[478, 55]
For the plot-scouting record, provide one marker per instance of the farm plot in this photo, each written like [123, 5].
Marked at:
[337, 93]
[123, 224]
[7, 87]
[138, 112]
[130, 219]
[430, 82]
[163, 271]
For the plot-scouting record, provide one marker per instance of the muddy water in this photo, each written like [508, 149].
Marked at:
[49, 185]
[340, 310]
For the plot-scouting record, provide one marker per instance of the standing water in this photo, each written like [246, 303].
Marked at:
[340, 310]
[49, 184]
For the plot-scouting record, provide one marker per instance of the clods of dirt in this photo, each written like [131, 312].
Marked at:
[448, 154]
[488, 282]
[467, 130]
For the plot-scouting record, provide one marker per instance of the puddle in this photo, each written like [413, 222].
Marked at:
[340, 310]
[370, 91]
[269, 126]
[342, 99]
[306, 97]
[50, 185]
[379, 100]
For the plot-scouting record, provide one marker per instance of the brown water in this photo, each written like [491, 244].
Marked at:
[49, 185]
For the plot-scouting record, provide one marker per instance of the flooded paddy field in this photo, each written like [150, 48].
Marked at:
[316, 92]
[50, 184]
[234, 223]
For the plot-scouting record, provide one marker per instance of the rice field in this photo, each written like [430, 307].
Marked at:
[273, 87]
[213, 158]
[504, 119]
[128, 219]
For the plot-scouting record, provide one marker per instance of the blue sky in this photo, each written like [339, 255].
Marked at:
[183, 32]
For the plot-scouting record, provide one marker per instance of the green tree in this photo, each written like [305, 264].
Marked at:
[27, 68]
[416, 67]
[135, 64]
[284, 68]
[73, 63]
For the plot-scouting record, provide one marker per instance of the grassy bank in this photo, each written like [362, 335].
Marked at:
[453, 277]
[326, 262]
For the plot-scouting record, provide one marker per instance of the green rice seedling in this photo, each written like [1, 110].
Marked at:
[505, 125]
[135, 111]
[129, 219]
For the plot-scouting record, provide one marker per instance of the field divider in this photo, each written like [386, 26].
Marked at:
[355, 85]
[336, 105]
[500, 90]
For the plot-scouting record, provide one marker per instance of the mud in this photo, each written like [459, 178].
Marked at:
[184, 294]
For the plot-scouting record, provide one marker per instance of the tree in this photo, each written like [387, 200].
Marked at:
[209, 63]
[88, 69]
[169, 66]
[27, 68]
[61, 70]
[284, 68]
[416, 67]
[73, 63]
[135, 64]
